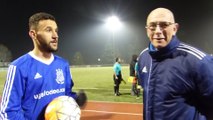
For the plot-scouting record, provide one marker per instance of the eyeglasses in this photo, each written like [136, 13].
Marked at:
[163, 25]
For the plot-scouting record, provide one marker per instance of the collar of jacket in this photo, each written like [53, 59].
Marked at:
[164, 52]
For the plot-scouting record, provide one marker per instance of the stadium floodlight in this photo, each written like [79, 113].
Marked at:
[113, 23]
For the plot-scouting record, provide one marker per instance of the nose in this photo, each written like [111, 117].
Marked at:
[55, 34]
[158, 29]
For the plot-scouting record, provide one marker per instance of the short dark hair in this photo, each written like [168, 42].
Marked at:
[134, 57]
[116, 59]
[35, 18]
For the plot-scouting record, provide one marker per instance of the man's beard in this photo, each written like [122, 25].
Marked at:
[45, 47]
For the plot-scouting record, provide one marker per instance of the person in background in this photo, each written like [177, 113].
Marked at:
[132, 74]
[139, 84]
[36, 78]
[177, 77]
[117, 76]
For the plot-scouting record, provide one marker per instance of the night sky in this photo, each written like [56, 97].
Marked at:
[81, 24]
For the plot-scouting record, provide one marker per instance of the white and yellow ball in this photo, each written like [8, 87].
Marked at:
[63, 108]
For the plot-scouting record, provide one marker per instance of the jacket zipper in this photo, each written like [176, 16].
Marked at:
[147, 91]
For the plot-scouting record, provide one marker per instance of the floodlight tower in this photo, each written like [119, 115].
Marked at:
[113, 23]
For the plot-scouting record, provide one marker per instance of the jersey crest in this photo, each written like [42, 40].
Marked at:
[59, 76]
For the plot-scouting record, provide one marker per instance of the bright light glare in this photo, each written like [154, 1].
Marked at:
[113, 23]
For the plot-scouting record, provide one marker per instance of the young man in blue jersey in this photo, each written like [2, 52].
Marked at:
[36, 78]
[177, 78]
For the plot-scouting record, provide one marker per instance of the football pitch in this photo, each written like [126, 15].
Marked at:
[97, 82]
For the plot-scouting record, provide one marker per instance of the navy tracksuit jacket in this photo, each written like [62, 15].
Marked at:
[177, 82]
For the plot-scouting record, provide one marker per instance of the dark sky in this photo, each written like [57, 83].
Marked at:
[81, 23]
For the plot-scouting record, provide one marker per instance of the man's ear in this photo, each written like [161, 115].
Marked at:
[176, 28]
[32, 34]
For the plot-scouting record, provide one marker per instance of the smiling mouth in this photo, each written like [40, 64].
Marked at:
[159, 38]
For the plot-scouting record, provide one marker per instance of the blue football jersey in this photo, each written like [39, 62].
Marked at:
[117, 68]
[33, 83]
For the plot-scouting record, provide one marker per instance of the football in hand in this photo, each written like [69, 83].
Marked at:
[63, 108]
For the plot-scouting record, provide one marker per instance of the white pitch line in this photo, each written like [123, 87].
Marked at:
[98, 89]
[115, 102]
[135, 114]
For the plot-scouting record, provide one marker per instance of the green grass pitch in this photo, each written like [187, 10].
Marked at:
[97, 82]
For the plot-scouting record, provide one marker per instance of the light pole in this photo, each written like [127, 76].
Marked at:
[113, 23]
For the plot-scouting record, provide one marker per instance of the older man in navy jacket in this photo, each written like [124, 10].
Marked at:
[177, 78]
